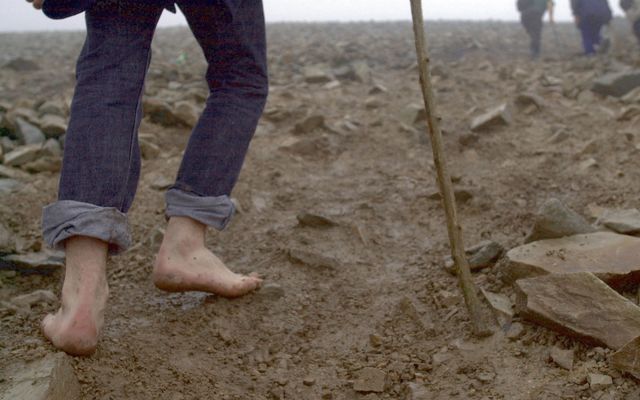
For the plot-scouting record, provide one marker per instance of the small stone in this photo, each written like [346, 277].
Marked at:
[377, 89]
[415, 391]
[556, 220]
[53, 126]
[7, 144]
[370, 380]
[272, 291]
[617, 84]
[161, 182]
[501, 305]
[187, 114]
[317, 74]
[20, 64]
[373, 103]
[309, 124]
[50, 378]
[375, 340]
[308, 381]
[332, 85]
[9, 185]
[486, 377]
[515, 332]
[622, 221]
[448, 299]
[461, 194]
[45, 164]
[149, 150]
[500, 115]
[22, 155]
[30, 299]
[53, 107]
[312, 259]
[314, 220]
[160, 112]
[27, 133]
[564, 358]
[529, 99]
[484, 254]
[41, 263]
[599, 381]
[413, 114]
[627, 359]
[7, 242]
[52, 148]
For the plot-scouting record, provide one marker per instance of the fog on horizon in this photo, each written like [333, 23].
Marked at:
[21, 17]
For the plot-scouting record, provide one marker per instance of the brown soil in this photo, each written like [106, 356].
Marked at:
[372, 177]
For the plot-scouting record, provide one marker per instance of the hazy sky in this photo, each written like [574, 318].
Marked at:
[20, 17]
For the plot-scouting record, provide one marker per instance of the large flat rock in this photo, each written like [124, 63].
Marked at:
[627, 359]
[51, 378]
[612, 257]
[617, 84]
[579, 305]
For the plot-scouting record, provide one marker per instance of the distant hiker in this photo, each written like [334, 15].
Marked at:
[632, 9]
[101, 164]
[531, 14]
[591, 17]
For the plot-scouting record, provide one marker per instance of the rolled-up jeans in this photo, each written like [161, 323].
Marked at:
[101, 165]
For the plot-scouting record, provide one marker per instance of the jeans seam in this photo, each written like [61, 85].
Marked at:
[134, 132]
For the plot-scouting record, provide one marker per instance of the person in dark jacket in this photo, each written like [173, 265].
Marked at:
[532, 15]
[632, 10]
[591, 17]
[101, 164]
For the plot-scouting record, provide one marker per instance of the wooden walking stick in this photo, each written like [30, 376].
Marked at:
[484, 322]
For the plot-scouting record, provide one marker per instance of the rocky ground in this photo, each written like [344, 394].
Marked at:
[338, 210]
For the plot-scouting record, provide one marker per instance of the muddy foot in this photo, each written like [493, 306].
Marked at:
[185, 264]
[76, 326]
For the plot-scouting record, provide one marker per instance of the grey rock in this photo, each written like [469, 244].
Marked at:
[187, 114]
[563, 358]
[52, 148]
[599, 381]
[317, 74]
[9, 185]
[40, 263]
[36, 297]
[556, 220]
[370, 380]
[7, 144]
[28, 133]
[161, 182]
[413, 114]
[515, 332]
[617, 84]
[22, 155]
[7, 241]
[53, 126]
[480, 256]
[530, 99]
[579, 305]
[501, 305]
[314, 220]
[621, 221]
[627, 359]
[361, 71]
[50, 378]
[312, 259]
[309, 124]
[498, 116]
[53, 107]
[20, 64]
[611, 257]
[272, 291]
[44, 164]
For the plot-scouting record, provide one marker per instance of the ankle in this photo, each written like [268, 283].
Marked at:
[184, 234]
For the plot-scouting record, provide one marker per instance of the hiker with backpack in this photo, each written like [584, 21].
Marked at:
[591, 17]
[531, 15]
[632, 9]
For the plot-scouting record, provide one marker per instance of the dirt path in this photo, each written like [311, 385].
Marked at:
[311, 331]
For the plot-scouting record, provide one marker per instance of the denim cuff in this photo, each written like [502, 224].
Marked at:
[66, 218]
[215, 212]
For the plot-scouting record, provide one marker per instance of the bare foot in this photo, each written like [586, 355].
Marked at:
[77, 324]
[185, 264]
